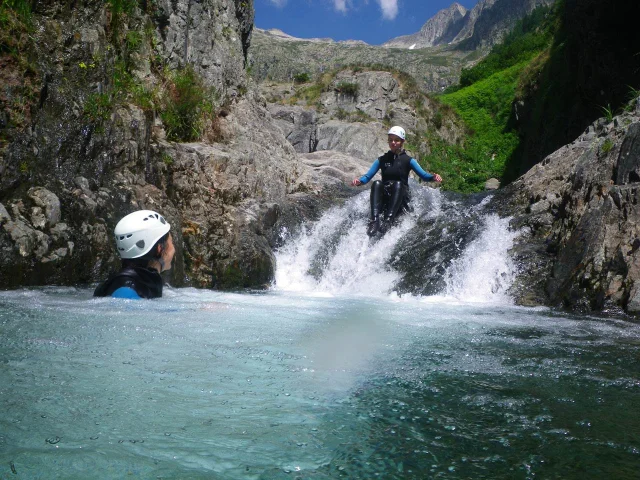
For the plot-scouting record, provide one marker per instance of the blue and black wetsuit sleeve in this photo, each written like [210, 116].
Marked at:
[375, 166]
[415, 166]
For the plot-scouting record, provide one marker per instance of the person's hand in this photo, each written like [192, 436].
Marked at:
[437, 177]
[356, 182]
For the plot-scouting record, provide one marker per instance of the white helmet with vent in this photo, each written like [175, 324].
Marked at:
[397, 131]
[138, 232]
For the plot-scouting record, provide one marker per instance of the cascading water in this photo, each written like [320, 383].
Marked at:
[485, 271]
[335, 256]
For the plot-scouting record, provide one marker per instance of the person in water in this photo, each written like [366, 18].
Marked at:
[392, 193]
[146, 248]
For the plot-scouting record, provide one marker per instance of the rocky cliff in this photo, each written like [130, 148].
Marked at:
[440, 29]
[579, 212]
[274, 57]
[93, 147]
[488, 22]
[482, 26]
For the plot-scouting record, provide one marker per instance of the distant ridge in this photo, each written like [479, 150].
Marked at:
[453, 39]
[483, 25]
[439, 29]
[279, 34]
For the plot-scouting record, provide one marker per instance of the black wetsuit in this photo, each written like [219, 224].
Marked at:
[392, 193]
[146, 282]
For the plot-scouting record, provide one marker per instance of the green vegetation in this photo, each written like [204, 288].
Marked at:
[459, 167]
[187, 107]
[437, 119]
[634, 95]
[311, 94]
[98, 107]
[347, 88]
[485, 107]
[301, 78]
[607, 113]
[483, 101]
[12, 10]
[607, 145]
[133, 40]
[119, 9]
[167, 159]
[528, 38]
[20, 81]
[355, 116]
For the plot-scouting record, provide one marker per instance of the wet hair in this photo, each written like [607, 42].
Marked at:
[152, 254]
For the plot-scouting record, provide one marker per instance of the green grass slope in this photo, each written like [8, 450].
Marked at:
[483, 101]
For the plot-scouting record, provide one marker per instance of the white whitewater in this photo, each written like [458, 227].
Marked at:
[358, 266]
[485, 271]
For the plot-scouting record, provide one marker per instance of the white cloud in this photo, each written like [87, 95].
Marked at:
[389, 8]
[340, 5]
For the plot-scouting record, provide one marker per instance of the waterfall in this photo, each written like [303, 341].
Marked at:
[484, 272]
[335, 256]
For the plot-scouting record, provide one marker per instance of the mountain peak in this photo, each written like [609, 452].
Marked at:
[485, 24]
[439, 29]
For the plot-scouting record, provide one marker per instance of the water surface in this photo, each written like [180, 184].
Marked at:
[330, 374]
[277, 385]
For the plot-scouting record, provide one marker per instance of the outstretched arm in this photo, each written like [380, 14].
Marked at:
[375, 166]
[428, 177]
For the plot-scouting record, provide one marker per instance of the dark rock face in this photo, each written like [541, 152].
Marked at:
[590, 70]
[423, 255]
[579, 209]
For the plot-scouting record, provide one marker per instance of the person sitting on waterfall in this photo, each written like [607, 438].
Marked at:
[392, 193]
[145, 245]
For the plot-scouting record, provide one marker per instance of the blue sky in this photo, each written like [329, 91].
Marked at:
[374, 21]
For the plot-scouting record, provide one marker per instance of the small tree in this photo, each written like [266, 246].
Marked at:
[347, 88]
[301, 78]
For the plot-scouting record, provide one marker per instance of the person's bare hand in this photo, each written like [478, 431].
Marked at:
[356, 182]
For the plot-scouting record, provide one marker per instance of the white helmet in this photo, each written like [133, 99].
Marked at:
[397, 131]
[138, 232]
